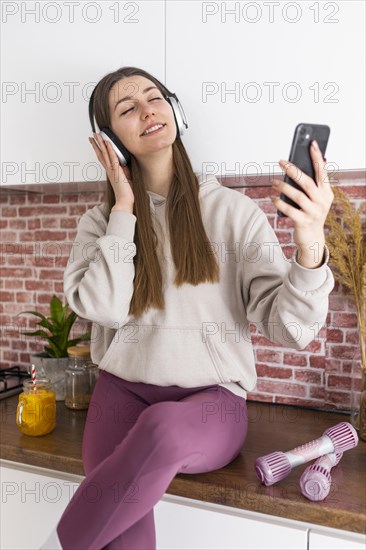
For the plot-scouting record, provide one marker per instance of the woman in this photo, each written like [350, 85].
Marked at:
[171, 269]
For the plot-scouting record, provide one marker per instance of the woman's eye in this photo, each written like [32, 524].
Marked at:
[133, 107]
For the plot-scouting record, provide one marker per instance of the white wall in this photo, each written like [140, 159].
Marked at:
[201, 52]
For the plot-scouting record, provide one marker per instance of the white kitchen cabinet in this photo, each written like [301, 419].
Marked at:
[327, 541]
[32, 502]
[64, 48]
[202, 526]
[49, 73]
[35, 498]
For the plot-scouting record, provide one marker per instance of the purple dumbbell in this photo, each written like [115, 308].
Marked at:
[276, 466]
[315, 481]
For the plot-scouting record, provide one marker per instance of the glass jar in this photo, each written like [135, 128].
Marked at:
[81, 376]
[36, 410]
[77, 387]
[93, 373]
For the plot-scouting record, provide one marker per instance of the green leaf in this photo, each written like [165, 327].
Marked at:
[36, 333]
[33, 313]
[46, 324]
[85, 336]
[58, 349]
[55, 306]
[50, 352]
[73, 342]
[59, 324]
[65, 309]
[56, 310]
[69, 322]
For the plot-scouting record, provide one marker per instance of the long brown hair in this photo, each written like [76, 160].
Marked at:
[194, 258]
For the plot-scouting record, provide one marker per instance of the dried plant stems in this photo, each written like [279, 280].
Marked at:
[347, 245]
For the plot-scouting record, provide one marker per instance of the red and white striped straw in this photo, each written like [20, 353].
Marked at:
[34, 377]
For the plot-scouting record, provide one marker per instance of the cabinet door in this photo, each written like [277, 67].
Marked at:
[49, 73]
[35, 498]
[192, 527]
[327, 541]
[32, 504]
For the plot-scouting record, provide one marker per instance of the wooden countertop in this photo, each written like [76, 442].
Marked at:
[272, 427]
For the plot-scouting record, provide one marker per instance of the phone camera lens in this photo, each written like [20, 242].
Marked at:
[302, 130]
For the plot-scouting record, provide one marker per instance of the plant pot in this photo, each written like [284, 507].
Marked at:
[358, 394]
[54, 369]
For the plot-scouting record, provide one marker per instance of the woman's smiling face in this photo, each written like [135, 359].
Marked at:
[134, 104]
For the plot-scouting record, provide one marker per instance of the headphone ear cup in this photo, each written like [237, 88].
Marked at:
[179, 115]
[122, 153]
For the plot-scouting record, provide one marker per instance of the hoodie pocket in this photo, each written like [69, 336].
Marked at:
[226, 364]
[164, 356]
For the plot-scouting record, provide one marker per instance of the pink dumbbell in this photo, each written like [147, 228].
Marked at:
[276, 466]
[315, 481]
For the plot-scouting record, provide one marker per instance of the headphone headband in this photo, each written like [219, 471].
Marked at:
[91, 109]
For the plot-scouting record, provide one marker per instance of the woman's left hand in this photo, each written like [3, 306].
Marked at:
[309, 220]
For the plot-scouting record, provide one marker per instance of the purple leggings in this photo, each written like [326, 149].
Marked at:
[137, 437]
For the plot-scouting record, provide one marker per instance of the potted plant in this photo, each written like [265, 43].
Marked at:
[56, 329]
[347, 245]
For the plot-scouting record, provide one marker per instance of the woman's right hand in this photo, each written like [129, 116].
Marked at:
[120, 177]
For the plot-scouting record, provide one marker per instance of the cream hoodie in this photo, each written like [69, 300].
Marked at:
[202, 336]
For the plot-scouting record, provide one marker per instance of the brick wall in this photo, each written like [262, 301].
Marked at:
[37, 229]
[319, 375]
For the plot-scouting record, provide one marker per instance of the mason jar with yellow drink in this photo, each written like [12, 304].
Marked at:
[36, 410]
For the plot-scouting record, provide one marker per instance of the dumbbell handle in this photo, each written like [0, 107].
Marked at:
[276, 466]
[316, 480]
[326, 461]
[304, 453]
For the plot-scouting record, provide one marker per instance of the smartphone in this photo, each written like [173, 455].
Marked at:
[300, 155]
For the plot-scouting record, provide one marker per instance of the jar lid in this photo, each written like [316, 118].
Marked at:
[79, 351]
